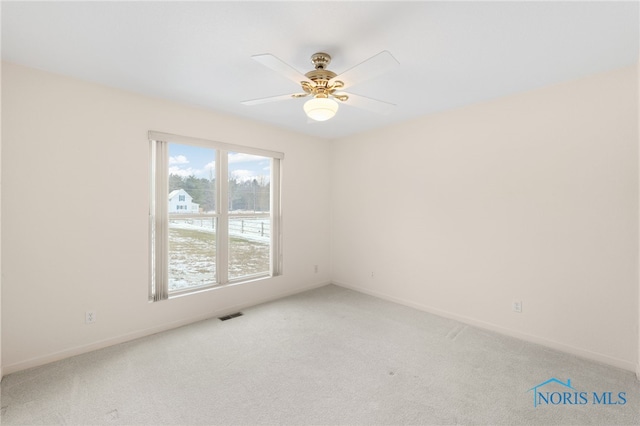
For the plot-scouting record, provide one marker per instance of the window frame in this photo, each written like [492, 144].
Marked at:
[159, 215]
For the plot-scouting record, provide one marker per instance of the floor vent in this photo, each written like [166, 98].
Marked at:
[228, 317]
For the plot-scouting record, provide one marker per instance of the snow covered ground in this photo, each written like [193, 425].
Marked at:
[254, 229]
[192, 250]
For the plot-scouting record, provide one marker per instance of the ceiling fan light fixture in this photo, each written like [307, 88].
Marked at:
[320, 109]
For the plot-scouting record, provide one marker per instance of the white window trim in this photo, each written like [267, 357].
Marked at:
[158, 217]
[168, 137]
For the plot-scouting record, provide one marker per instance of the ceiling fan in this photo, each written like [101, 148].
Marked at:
[323, 85]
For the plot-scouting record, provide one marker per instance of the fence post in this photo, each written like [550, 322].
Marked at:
[262, 229]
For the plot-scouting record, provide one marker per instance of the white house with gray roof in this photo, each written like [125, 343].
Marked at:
[181, 202]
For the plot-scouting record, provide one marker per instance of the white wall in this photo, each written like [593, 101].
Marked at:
[89, 142]
[532, 197]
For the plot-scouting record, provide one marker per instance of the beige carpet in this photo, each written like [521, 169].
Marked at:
[327, 356]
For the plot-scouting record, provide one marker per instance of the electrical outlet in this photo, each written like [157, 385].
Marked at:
[90, 317]
[517, 306]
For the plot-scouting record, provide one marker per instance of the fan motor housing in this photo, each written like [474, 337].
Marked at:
[320, 75]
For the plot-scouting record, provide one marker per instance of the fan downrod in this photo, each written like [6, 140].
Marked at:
[321, 60]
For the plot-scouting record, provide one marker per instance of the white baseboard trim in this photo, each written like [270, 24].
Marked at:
[79, 350]
[583, 353]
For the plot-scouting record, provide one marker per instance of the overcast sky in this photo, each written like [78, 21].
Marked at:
[187, 160]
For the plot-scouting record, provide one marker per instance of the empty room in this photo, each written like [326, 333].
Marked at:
[345, 212]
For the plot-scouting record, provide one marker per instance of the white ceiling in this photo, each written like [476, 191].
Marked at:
[450, 53]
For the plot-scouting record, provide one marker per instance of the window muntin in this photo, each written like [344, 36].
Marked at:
[207, 231]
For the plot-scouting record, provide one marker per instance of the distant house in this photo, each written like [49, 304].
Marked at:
[181, 202]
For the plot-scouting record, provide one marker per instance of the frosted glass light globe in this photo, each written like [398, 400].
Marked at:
[320, 109]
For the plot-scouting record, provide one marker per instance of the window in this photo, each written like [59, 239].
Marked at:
[214, 214]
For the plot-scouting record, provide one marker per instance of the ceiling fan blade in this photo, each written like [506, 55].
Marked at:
[369, 104]
[372, 67]
[276, 64]
[273, 99]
